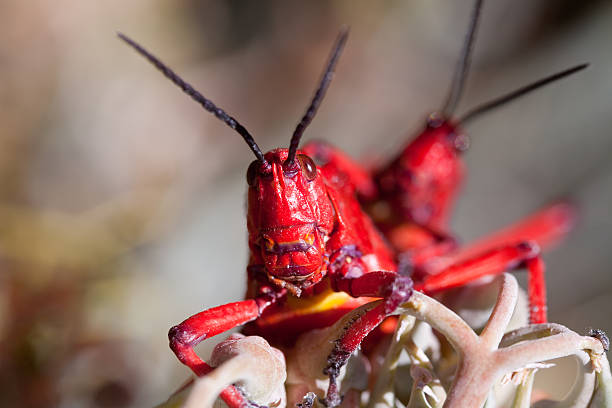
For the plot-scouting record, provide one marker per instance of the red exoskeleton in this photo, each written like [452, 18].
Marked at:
[411, 198]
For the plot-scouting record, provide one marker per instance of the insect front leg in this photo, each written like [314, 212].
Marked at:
[393, 288]
[509, 257]
[186, 335]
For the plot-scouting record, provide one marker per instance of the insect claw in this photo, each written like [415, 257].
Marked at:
[336, 360]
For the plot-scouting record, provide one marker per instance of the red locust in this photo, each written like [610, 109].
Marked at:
[411, 198]
[310, 245]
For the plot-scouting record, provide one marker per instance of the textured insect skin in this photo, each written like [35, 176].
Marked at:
[306, 237]
[420, 185]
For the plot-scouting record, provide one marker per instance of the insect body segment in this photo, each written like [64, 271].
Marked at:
[421, 183]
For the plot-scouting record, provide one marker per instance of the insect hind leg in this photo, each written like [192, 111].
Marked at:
[508, 257]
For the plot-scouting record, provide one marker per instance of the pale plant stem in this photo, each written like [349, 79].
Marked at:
[250, 361]
[459, 334]
[474, 362]
[603, 393]
[501, 315]
[531, 332]
[490, 402]
[418, 399]
[556, 346]
[426, 389]
[419, 359]
[522, 398]
[207, 388]
[383, 395]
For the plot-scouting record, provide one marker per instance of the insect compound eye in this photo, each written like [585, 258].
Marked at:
[268, 243]
[252, 172]
[309, 238]
[308, 167]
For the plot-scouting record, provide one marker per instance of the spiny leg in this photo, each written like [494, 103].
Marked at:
[394, 288]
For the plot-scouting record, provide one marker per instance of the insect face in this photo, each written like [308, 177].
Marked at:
[289, 218]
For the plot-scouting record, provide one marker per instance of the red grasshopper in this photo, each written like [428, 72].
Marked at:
[308, 238]
[410, 199]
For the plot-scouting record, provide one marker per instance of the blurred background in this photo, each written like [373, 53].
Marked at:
[122, 202]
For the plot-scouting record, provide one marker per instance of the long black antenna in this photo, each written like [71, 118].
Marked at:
[197, 96]
[497, 102]
[463, 65]
[328, 74]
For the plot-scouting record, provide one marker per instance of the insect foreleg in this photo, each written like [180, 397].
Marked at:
[186, 335]
[394, 288]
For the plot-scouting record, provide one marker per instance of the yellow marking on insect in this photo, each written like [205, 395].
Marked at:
[309, 238]
[327, 300]
[299, 241]
[268, 243]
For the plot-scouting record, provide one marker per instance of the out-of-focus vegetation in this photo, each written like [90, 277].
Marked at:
[121, 202]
